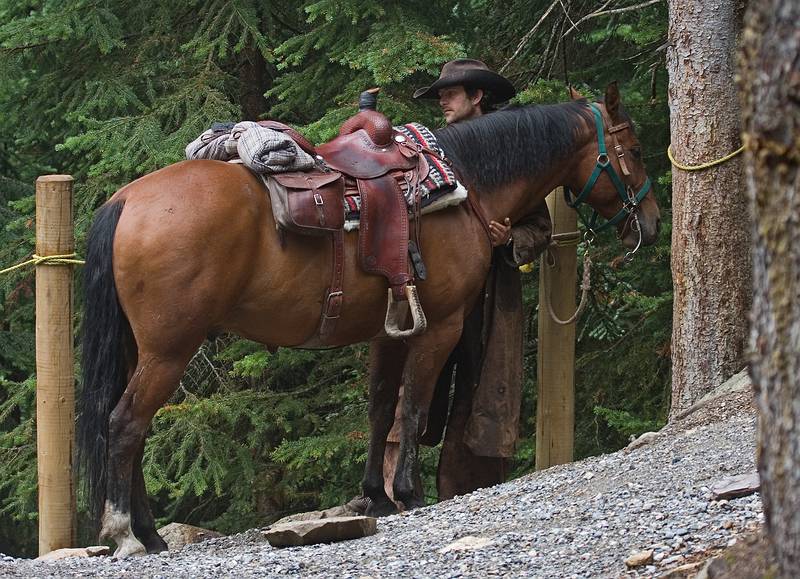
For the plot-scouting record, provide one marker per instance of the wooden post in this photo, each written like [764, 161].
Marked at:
[555, 411]
[55, 381]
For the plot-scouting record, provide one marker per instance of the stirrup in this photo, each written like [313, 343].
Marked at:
[396, 314]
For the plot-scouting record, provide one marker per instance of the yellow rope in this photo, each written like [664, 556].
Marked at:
[67, 258]
[704, 165]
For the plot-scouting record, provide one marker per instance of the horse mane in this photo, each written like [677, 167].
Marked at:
[516, 142]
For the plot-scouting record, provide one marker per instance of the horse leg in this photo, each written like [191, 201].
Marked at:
[387, 359]
[144, 525]
[427, 355]
[154, 381]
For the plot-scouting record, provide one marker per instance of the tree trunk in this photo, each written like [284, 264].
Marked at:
[254, 82]
[710, 238]
[771, 98]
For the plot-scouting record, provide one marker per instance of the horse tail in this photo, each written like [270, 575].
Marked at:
[107, 343]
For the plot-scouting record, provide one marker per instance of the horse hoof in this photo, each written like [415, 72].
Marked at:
[130, 548]
[412, 503]
[381, 509]
[155, 544]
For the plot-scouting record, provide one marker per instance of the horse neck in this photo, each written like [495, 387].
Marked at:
[519, 199]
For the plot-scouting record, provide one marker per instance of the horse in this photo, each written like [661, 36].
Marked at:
[192, 250]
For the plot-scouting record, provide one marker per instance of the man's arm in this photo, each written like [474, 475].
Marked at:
[531, 236]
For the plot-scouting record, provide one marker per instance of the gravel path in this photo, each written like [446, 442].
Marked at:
[577, 520]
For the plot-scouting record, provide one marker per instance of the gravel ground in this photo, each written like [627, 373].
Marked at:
[580, 520]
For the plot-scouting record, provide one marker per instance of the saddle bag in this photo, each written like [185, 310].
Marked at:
[308, 202]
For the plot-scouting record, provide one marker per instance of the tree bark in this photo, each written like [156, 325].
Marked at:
[770, 88]
[254, 82]
[710, 240]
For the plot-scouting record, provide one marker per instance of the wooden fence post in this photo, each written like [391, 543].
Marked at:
[555, 411]
[55, 381]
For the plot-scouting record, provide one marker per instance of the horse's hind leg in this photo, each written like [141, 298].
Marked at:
[153, 382]
[144, 525]
[387, 359]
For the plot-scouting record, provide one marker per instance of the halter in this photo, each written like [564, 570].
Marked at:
[630, 201]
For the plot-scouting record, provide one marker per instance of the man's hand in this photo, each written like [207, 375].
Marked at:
[500, 233]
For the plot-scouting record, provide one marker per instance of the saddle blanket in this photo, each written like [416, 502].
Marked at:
[440, 176]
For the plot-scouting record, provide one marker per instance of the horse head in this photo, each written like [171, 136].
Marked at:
[610, 176]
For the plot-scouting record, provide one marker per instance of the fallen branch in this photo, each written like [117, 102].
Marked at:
[601, 12]
[528, 35]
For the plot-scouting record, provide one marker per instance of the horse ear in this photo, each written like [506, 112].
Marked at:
[612, 100]
[574, 94]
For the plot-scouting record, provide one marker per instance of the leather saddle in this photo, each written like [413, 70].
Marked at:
[370, 156]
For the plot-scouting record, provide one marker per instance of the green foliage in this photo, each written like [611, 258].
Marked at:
[625, 423]
[109, 91]
[18, 484]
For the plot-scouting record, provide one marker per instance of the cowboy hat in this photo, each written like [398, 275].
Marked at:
[473, 74]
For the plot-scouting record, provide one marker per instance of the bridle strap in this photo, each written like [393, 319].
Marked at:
[630, 200]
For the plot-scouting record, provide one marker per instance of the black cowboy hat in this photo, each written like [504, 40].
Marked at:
[473, 74]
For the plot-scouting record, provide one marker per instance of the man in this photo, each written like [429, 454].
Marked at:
[480, 429]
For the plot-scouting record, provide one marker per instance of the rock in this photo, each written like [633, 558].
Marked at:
[326, 530]
[338, 511]
[736, 383]
[640, 558]
[178, 535]
[683, 570]
[467, 543]
[643, 440]
[736, 486]
[95, 551]
[715, 567]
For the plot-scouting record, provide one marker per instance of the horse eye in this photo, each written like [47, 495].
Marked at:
[637, 153]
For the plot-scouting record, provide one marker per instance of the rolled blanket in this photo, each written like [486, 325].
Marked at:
[266, 151]
[210, 145]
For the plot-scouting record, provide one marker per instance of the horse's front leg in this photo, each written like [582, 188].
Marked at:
[387, 360]
[427, 355]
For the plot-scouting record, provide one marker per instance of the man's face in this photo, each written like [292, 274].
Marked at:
[457, 105]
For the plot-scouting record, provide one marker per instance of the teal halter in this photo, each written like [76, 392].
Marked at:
[630, 202]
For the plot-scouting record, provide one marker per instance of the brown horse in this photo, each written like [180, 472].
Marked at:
[192, 250]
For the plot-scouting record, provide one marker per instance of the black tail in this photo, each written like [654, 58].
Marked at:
[106, 340]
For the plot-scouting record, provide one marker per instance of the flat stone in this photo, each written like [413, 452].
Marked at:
[467, 543]
[328, 530]
[736, 486]
[94, 551]
[178, 535]
[338, 511]
[640, 558]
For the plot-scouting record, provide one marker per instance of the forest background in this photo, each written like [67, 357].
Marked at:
[110, 90]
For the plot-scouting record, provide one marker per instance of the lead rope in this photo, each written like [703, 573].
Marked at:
[565, 239]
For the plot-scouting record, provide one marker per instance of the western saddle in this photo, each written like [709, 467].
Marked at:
[372, 158]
